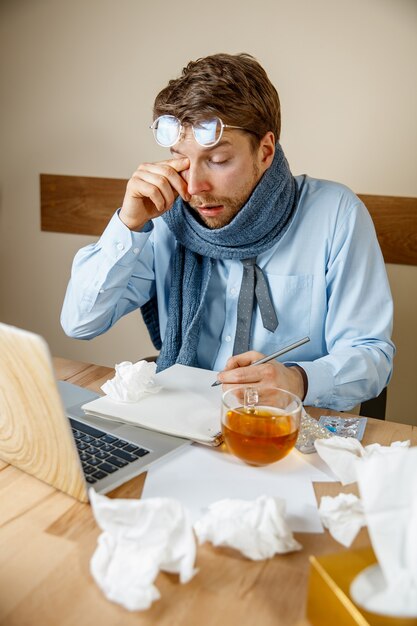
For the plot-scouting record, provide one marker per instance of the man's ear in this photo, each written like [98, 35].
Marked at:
[266, 150]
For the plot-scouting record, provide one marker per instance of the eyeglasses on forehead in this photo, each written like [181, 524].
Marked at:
[167, 130]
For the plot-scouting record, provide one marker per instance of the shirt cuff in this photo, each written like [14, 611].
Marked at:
[121, 244]
[320, 382]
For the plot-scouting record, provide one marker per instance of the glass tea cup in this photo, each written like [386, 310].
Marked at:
[260, 424]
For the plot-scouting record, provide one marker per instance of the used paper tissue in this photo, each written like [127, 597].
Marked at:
[257, 528]
[343, 516]
[387, 482]
[139, 539]
[132, 381]
[388, 489]
[342, 454]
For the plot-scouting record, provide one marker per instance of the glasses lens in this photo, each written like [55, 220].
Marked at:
[208, 133]
[166, 130]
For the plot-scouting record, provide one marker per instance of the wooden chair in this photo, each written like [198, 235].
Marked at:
[375, 407]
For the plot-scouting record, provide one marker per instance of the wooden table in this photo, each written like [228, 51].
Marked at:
[47, 540]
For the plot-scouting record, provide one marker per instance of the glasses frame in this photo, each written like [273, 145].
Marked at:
[181, 128]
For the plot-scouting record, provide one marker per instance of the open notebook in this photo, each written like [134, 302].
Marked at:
[187, 406]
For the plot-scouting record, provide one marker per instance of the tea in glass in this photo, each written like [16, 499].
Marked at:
[260, 425]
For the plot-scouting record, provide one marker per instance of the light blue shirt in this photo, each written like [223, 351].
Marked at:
[326, 276]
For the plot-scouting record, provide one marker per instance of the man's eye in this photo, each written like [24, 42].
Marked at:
[218, 161]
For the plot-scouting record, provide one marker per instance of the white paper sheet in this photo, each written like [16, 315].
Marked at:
[200, 476]
[318, 470]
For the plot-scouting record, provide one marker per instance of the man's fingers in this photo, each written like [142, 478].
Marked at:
[242, 375]
[243, 360]
[152, 190]
[155, 187]
[179, 164]
[167, 172]
[239, 369]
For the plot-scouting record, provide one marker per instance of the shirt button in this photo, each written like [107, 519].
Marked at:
[135, 250]
[233, 291]
[101, 291]
[228, 338]
[120, 246]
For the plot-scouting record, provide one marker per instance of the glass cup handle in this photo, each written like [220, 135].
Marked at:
[251, 399]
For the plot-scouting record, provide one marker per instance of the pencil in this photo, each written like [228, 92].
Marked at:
[275, 355]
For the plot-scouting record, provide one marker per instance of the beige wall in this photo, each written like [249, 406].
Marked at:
[76, 90]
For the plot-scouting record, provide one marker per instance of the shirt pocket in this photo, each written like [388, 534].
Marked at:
[292, 298]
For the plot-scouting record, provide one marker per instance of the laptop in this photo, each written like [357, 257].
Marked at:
[44, 431]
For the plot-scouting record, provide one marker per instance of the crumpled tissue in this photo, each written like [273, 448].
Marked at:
[140, 538]
[132, 381]
[257, 528]
[343, 516]
[388, 489]
[342, 454]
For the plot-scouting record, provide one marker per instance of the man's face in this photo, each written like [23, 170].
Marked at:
[220, 179]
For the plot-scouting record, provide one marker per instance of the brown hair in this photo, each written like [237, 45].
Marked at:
[234, 87]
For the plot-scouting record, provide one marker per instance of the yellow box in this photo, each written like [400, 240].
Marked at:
[329, 602]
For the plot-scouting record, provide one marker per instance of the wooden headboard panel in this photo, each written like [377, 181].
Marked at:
[83, 205]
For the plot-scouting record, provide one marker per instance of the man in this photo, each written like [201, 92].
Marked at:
[231, 257]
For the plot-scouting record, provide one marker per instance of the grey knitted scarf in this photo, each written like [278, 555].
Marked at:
[260, 223]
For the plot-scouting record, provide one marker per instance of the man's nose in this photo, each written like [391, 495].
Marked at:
[197, 180]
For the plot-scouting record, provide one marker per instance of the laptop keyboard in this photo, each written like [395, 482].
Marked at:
[102, 454]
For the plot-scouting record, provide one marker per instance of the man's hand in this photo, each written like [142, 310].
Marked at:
[152, 191]
[240, 371]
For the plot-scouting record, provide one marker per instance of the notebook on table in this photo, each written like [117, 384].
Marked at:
[185, 406]
[45, 432]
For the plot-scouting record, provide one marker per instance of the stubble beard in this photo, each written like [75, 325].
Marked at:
[231, 205]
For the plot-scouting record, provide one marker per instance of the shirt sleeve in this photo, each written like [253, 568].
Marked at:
[109, 278]
[359, 319]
